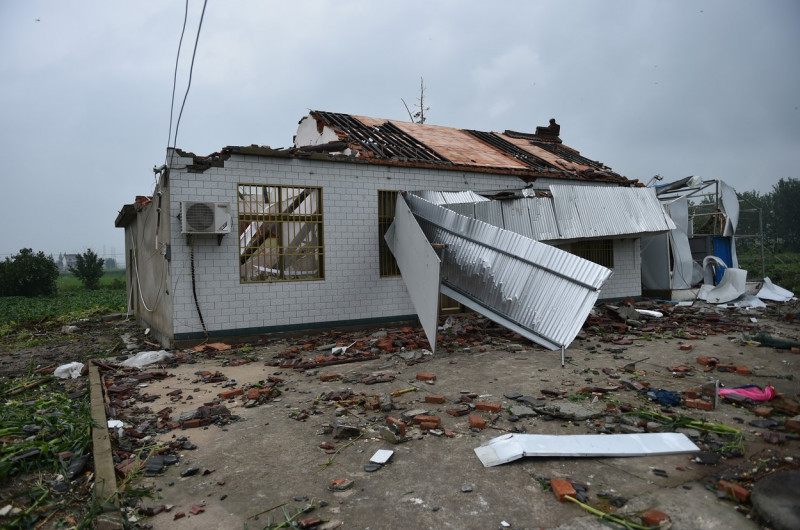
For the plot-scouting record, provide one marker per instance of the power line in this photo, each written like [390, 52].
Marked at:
[191, 70]
[175, 76]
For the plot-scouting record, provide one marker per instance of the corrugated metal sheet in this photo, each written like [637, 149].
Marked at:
[543, 218]
[449, 197]
[600, 211]
[517, 218]
[543, 292]
[577, 212]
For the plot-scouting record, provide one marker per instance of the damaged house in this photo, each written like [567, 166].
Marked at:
[254, 240]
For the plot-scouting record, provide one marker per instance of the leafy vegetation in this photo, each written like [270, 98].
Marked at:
[28, 274]
[88, 269]
[44, 432]
[63, 307]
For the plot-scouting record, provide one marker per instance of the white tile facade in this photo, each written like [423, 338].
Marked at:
[352, 290]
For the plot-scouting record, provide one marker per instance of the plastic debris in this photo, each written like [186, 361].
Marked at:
[69, 371]
[147, 357]
[753, 392]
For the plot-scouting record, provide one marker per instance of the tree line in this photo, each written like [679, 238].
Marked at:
[780, 215]
[33, 274]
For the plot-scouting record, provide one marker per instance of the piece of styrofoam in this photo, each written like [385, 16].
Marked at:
[381, 456]
[770, 291]
[510, 447]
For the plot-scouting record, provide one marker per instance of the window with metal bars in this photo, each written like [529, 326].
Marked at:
[280, 233]
[600, 251]
[386, 203]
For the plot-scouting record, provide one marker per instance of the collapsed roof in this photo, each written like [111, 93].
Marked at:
[528, 156]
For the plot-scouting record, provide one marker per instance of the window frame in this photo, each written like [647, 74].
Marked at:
[387, 265]
[600, 251]
[282, 212]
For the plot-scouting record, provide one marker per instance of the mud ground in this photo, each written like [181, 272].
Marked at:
[274, 457]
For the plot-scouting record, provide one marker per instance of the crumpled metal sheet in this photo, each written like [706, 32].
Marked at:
[539, 291]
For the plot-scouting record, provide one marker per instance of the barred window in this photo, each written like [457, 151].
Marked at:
[280, 233]
[386, 204]
[600, 251]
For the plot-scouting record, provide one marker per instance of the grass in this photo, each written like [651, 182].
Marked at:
[783, 268]
[112, 279]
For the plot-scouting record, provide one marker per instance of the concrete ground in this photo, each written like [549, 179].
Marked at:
[272, 458]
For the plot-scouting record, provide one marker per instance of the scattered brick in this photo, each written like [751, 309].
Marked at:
[793, 424]
[449, 433]
[179, 515]
[707, 361]
[401, 426]
[424, 418]
[742, 370]
[428, 425]
[459, 411]
[734, 490]
[698, 404]
[196, 509]
[654, 518]
[562, 488]
[228, 394]
[424, 376]
[763, 412]
[329, 377]
[686, 347]
[488, 406]
[726, 367]
[477, 422]
[434, 398]
[253, 393]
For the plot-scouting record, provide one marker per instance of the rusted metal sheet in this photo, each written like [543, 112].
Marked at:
[535, 289]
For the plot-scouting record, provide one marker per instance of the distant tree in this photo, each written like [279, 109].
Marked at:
[110, 263]
[88, 269]
[785, 200]
[60, 260]
[28, 274]
[750, 202]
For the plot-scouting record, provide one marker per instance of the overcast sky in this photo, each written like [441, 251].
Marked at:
[709, 88]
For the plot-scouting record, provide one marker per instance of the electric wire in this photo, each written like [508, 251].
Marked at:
[175, 78]
[194, 286]
[191, 70]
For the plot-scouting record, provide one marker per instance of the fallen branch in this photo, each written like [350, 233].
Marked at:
[28, 386]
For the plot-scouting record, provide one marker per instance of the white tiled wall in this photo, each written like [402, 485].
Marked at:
[352, 289]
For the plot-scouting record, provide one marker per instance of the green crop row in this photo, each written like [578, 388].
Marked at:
[66, 305]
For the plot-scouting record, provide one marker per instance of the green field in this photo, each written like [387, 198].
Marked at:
[71, 302]
[783, 269]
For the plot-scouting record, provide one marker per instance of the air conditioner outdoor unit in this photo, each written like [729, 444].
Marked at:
[204, 217]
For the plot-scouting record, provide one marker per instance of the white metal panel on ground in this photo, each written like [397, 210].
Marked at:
[419, 266]
[544, 291]
[510, 447]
